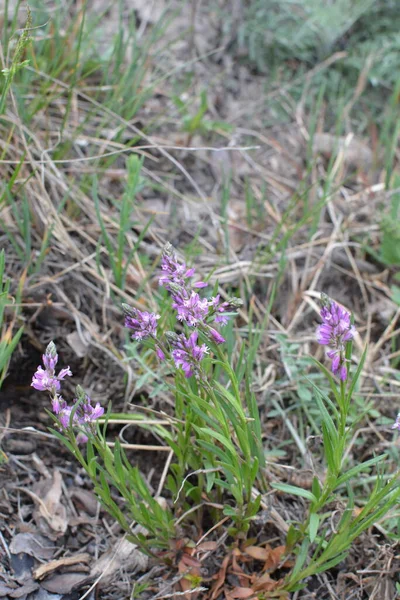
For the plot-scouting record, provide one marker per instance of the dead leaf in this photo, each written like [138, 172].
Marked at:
[123, 555]
[23, 591]
[80, 343]
[207, 547]
[50, 515]
[241, 592]
[265, 583]
[86, 499]
[220, 578]
[34, 544]
[190, 568]
[6, 589]
[44, 570]
[257, 552]
[21, 565]
[64, 583]
[274, 558]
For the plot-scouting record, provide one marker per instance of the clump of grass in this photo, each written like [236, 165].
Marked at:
[287, 39]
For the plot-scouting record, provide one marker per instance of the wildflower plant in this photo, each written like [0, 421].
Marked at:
[215, 433]
[316, 543]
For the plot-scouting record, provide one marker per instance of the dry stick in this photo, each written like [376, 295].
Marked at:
[164, 474]
[141, 447]
[128, 150]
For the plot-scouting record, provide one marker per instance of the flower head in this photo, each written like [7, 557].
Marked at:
[83, 412]
[334, 332]
[46, 379]
[221, 310]
[187, 354]
[143, 324]
[175, 272]
[191, 309]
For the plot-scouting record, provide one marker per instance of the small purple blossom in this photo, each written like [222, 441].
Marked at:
[187, 354]
[142, 323]
[216, 336]
[191, 309]
[160, 354]
[84, 414]
[87, 414]
[396, 424]
[334, 332]
[46, 379]
[220, 310]
[175, 272]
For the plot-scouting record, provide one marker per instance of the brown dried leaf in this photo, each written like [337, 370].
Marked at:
[64, 583]
[206, 547]
[27, 588]
[241, 592]
[50, 513]
[86, 499]
[258, 553]
[274, 558]
[265, 583]
[123, 555]
[220, 578]
[34, 544]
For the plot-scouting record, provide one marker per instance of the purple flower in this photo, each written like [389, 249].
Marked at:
[87, 414]
[84, 414]
[220, 309]
[396, 424]
[46, 379]
[216, 336]
[64, 415]
[334, 332]
[144, 324]
[160, 354]
[175, 272]
[191, 309]
[187, 354]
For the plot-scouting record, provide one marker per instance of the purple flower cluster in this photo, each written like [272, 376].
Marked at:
[46, 379]
[192, 311]
[334, 332]
[187, 354]
[191, 308]
[142, 323]
[175, 272]
[83, 413]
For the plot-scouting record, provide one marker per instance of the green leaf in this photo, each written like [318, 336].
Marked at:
[331, 563]
[355, 470]
[313, 526]
[294, 491]
[301, 558]
[316, 488]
